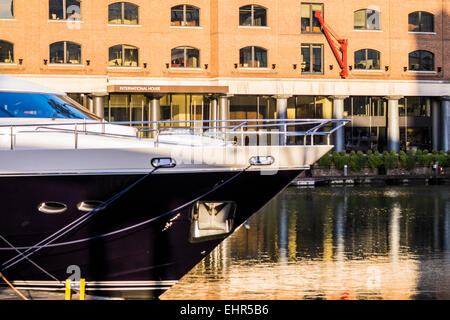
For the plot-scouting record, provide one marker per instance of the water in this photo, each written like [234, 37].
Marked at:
[370, 242]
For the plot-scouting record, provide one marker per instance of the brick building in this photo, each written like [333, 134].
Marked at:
[234, 59]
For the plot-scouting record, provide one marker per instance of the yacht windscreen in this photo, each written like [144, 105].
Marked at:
[40, 105]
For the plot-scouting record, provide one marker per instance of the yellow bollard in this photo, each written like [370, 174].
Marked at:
[68, 290]
[82, 289]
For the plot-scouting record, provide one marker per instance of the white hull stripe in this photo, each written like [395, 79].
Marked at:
[161, 171]
[97, 285]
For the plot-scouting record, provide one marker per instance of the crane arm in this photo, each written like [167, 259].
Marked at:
[343, 43]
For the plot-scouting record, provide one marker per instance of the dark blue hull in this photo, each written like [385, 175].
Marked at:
[135, 245]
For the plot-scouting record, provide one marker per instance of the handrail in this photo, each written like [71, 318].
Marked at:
[267, 127]
[278, 121]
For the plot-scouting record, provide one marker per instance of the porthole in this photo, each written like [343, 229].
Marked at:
[88, 205]
[52, 207]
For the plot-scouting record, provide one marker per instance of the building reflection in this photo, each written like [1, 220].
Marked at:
[434, 267]
[334, 243]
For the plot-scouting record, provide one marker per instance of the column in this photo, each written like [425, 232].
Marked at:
[435, 125]
[98, 104]
[213, 112]
[224, 110]
[90, 103]
[154, 107]
[393, 129]
[428, 107]
[445, 124]
[85, 98]
[338, 113]
[282, 105]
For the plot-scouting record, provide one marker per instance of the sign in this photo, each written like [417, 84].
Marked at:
[166, 89]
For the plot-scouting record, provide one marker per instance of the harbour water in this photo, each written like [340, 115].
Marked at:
[362, 242]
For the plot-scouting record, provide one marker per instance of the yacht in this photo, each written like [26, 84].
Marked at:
[86, 198]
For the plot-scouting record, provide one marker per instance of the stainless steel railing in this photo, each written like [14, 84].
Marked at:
[263, 131]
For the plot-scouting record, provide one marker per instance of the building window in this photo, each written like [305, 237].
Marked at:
[252, 15]
[123, 13]
[6, 52]
[185, 57]
[123, 55]
[185, 16]
[418, 107]
[309, 23]
[312, 58]
[253, 57]
[65, 52]
[64, 10]
[420, 21]
[421, 60]
[6, 9]
[367, 19]
[367, 59]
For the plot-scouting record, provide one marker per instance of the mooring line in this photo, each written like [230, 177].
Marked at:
[58, 234]
[50, 245]
[31, 261]
[12, 287]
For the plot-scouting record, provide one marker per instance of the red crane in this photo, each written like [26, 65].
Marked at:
[341, 44]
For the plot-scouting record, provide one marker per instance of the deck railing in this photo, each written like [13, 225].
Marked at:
[237, 131]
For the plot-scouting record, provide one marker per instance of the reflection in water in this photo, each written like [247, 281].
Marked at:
[334, 243]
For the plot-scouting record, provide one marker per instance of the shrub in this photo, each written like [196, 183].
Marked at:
[402, 158]
[410, 161]
[362, 159]
[325, 161]
[340, 159]
[429, 159]
[390, 159]
[443, 159]
[420, 158]
[353, 162]
[374, 160]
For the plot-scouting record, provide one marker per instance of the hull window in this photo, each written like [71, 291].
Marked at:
[51, 207]
[88, 205]
[211, 220]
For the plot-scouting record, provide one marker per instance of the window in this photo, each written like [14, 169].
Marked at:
[123, 55]
[252, 15]
[123, 13]
[185, 57]
[418, 107]
[367, 59]
[185, 16]
[365, 106]
[309, 23]
[367, 19]
[253, 57]
[421, 60]
[65, 52]
[64, 10]
[6, 9]
[420, 21]
[312, 58]
[310, 107]
[37, 105]
[6, 52]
